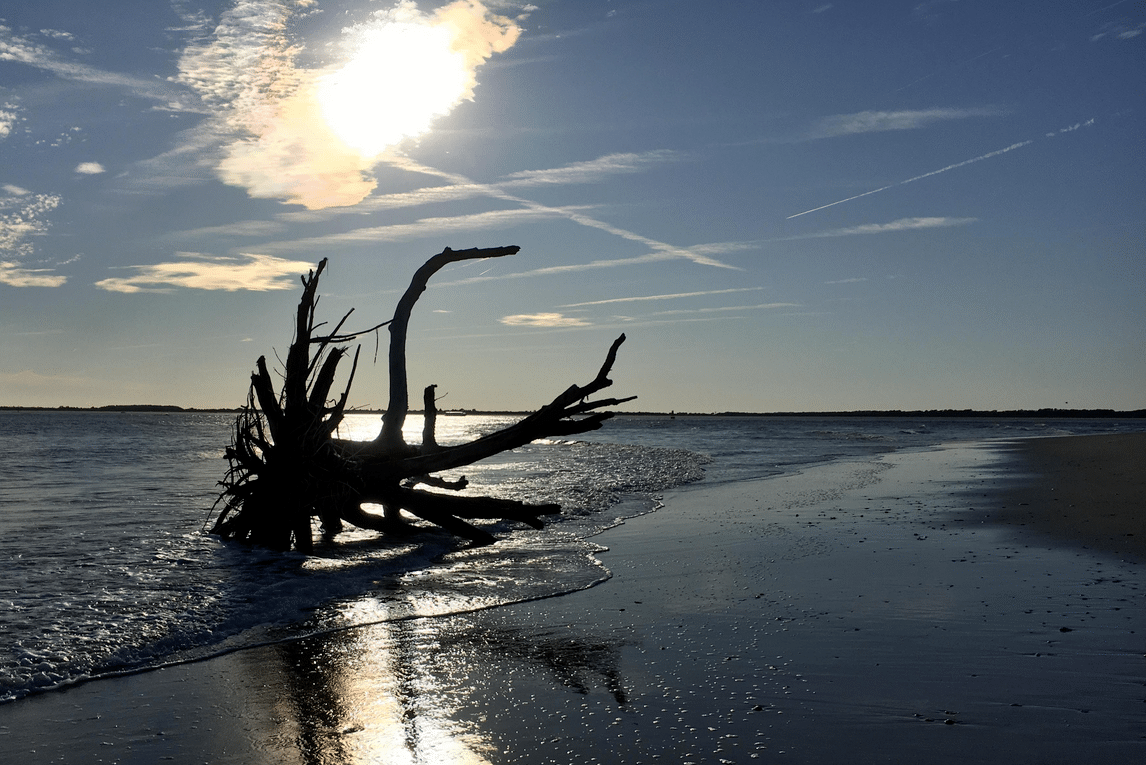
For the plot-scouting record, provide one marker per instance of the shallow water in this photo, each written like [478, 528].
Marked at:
[107, 569]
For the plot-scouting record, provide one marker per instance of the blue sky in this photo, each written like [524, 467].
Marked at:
[784, 205]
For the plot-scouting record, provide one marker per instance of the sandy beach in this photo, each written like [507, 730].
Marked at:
[975, 603]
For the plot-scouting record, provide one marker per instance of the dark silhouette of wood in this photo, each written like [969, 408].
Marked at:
[287, 468]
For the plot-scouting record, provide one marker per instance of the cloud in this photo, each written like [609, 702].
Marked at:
[661, 297]
[90, 168]
[591, 171]
[9, 116]
[252, 272]
[1071, 128]
[1118, 31]
[190, 162]
[700, 254]
[543, 320]
[853, 280]
[461, 187]
[239, 228]
[876, 122]
[23, 50]
[903, 224]
[23, 217]
[425, 227]
[724, 309]
[314, 136]
[15, 275]
[58, 34]
[425, 196]
[823, 8]
[638, 260]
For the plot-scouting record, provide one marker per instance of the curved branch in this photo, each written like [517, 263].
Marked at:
[390, 439]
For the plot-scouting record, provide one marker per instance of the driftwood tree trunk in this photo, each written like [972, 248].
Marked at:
[286, 467]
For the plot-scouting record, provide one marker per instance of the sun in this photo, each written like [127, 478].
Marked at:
[400, 77]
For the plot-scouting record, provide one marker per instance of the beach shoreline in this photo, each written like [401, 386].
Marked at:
[881, 610]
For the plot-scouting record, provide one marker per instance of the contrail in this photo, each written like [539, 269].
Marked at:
[1012, 147]
[833, 204]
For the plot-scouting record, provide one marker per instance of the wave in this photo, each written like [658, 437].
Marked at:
[121, 579]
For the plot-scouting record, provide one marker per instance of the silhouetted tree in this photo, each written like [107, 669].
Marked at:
[286, 466]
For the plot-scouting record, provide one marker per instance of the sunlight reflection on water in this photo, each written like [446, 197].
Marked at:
[374, 696]
[448, 429]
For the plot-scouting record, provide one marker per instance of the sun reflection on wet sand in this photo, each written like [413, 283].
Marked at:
[416, 690]
[365, 696]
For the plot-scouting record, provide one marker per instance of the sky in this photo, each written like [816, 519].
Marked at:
[785, 206]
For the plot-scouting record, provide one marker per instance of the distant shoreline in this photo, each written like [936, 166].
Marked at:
[916, 413]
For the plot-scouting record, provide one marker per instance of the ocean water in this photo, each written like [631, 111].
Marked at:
[106, 568]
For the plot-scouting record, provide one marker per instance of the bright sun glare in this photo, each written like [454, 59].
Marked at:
[400, 78]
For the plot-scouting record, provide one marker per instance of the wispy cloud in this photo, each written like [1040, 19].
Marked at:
[559, 320]
[23, 217]
[203, 272]
[592, 171]
[573, 268]
[853, 280]
[589, 171]
[903, 224]
[424, 196]
[1118, 31]
[239, 228]
[1070, 128]
[881, 121]
[701, 255]
[424, 227]
[674, 296]
[189, 162]
[543, 320]
[823, 8]
[23, 49]
[527, 210]
[459, 187]
[724, 309]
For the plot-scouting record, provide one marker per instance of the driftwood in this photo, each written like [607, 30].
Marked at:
[287, 468]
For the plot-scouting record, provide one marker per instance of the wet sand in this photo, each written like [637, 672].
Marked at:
[1083, 490]
[891, 610]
